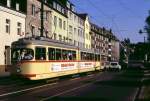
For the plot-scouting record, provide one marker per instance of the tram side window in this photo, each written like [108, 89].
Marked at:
[90, 56]
[58, 54]
[64, 54]
[51, 53]
[98, 57]
[95, 57]
[70, 55]
[83, 56]
[40, 53]
[74, 55]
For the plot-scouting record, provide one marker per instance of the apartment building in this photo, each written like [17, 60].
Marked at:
[33, 18]
[59, 21]
[12, 24]
[115, 49]
[87, 29]
[99, 41]
[106, 43]
[75, 26]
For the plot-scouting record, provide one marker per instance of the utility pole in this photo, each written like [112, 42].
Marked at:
[42, 18]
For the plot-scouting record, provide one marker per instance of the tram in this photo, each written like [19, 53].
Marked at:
[41, 59]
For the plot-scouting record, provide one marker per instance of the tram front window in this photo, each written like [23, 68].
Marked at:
[22, 54]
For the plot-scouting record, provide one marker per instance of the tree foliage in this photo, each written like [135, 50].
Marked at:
[147, 27]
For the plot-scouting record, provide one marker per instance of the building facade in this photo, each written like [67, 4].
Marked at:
[59, 22]
[87, 29]
[106, 43]
[75, 26]
[12, 23]
[33, 19]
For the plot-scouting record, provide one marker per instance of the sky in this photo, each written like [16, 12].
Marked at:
[124, 17]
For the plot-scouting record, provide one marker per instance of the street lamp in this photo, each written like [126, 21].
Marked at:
[140, 31]
[42, 18]
[145, 56]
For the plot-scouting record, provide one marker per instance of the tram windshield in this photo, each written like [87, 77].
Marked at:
[22, 54]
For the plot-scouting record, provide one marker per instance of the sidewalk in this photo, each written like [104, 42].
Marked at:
[144, 92]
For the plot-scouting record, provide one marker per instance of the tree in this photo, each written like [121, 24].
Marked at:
[127, 40]
[147, 27]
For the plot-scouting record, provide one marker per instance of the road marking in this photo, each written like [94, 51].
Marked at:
[67, 91]
[6, 94]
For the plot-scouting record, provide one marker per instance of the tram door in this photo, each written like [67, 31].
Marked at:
[7, 57]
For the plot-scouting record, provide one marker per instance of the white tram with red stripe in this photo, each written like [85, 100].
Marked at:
[42, 59]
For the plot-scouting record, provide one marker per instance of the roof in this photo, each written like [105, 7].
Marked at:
[83, 16]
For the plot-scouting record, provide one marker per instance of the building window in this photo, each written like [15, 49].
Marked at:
[33, 10]
[39, 31]
[70, 14]
[78, 32]
[64, 39]
[60, 37]
[75, 31]
[70, 29]
[33, 30]
[55, 36]
[60, 23]
[8, 26]
[19, 28]
[46, 16]
[86, 36]
[55, 21]
[64, 25]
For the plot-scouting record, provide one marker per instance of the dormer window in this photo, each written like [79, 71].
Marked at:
[8, 3]
[68, 4]
[72, 7]
[58, 7]
[54, 5]
[17, 6]
[45, 1]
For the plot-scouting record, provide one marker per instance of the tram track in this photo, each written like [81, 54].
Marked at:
[37, 86]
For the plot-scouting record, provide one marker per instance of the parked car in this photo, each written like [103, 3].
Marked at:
[114, 65]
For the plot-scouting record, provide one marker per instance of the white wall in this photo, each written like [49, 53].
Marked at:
[5, 38]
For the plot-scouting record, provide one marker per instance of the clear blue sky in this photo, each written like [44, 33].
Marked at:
[124, 17]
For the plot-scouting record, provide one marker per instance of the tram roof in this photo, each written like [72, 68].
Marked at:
[49, 42]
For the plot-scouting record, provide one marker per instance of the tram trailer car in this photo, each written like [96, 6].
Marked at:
[42, 59]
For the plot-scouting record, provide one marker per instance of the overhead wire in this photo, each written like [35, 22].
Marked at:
[108, 16]
[92, 17]
[123, 5]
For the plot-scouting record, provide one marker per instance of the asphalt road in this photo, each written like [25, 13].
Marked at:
[102, 86]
